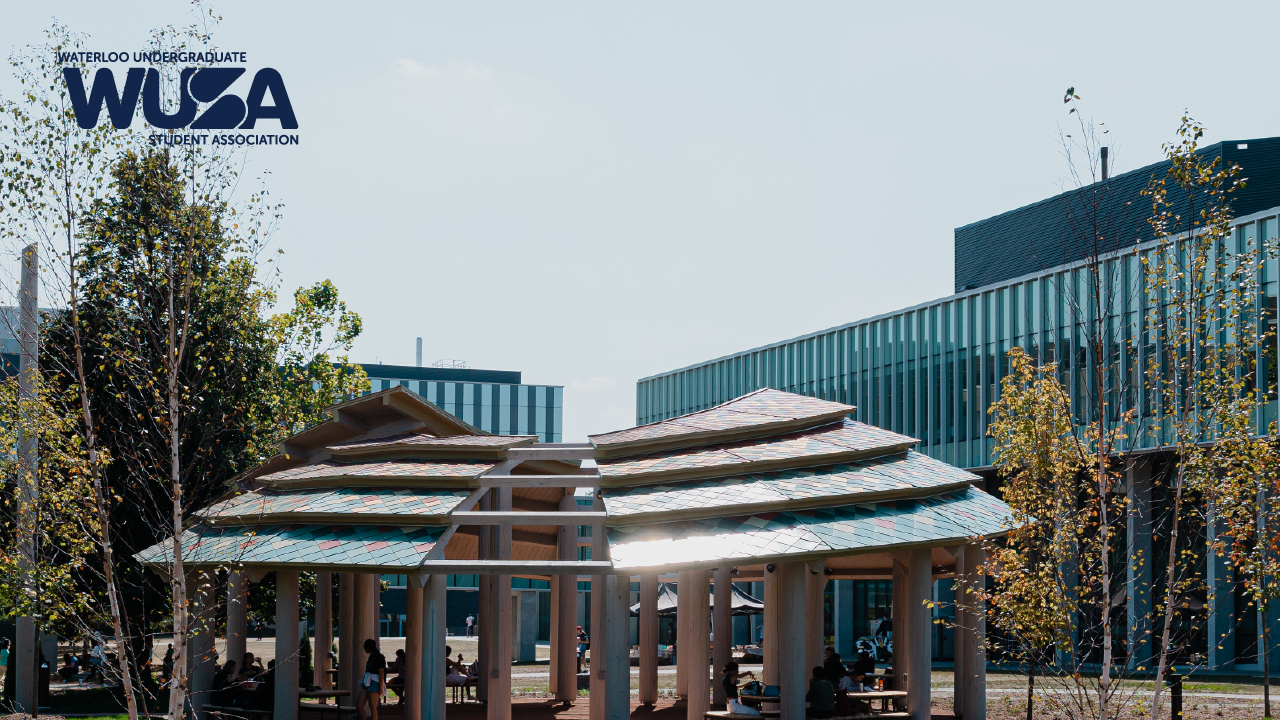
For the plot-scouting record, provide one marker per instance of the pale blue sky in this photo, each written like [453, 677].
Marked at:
[595, 192]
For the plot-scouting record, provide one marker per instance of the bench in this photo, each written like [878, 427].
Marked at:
[336, 709]
[226, 713]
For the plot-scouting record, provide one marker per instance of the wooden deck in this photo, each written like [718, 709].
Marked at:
[666, 709]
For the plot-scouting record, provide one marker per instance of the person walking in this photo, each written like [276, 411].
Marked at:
[471, 621]
[373, 684]
[4, 658]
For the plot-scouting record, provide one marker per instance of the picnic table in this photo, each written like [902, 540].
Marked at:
[884, 696]
[324, 695]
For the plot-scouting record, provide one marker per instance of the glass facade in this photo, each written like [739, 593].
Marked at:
[498, 407]
[931, 371]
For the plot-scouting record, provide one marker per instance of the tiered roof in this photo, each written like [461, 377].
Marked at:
[784, 477]
[766, 477]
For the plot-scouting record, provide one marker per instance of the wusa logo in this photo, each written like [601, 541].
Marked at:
[225, 111]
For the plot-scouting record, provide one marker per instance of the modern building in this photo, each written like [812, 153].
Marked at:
[494, 401]
[931, 371]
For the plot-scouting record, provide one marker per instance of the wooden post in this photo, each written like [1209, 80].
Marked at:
[200, 666]
[918, 616]
[372, 605]
[25, 652]
[722, 628]
[793, 671]
[324, 632]
[599, 592]
[972, 687]
[684, 622]
[360, 600]
[649, 639]
[499, 700]
[413, 651]
[769, 638]
[901, 621]
[618, 645]
[696, 654]
[485, 602]
[815, 604]
[287, 643]
[431, 678]
[564, 641]
[347, 634]
[962, 622]
[237, 613]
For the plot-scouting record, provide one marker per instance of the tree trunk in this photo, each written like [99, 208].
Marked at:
[177, 579]
[99, 492]
[1266, 665]
[1031, 688]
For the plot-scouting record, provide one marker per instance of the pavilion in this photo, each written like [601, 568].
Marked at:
[769, 486]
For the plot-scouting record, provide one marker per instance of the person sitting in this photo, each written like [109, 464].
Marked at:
[865, 664]
[264, 698]
[221, 681]
[70, 668]
[251, 667]
[455, 672]
[832, 665]
[729, 680]
[399, 667]
[821, 696]
[98, 661]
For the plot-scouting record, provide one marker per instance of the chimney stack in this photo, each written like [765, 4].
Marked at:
[1104, 164]
[419, 352]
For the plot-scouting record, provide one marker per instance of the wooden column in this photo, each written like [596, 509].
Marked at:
[815, 603]
[971, 674]
[360, 599]
[347, 634]
[696, 654]
[618, 646]
[413, 649]
[372, 606]
[962, 626]
[722, 628]
[237, 613]
[431, 688]
[918, 655]
[565, 611]
[599, 592]
[684, 622]
[287, 643]
[901, 620]
[487, 620]
[649, 639]
[769, 637]
[793, 671]
[499, 699]
[200, 595]
[324, 632]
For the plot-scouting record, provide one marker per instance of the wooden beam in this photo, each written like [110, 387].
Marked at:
[540, 481]
[527, 537]
[528, 518]
[554, 451]
[347, 420]
[517, 567]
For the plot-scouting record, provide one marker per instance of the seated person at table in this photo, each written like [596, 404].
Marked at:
[852, 682]
[821, 696]
[397, 666]
[455, 672]
[729, 680]
[70, 668]
[264, 697]
[832, 665]
[251, 667]
[221, 681]
[865, 664]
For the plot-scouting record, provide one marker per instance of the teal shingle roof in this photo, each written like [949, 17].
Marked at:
[364, 545]
[897, 472]
[389, 468]
[864, 527]
[846, 437]
[356, 501]
[762, 407]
